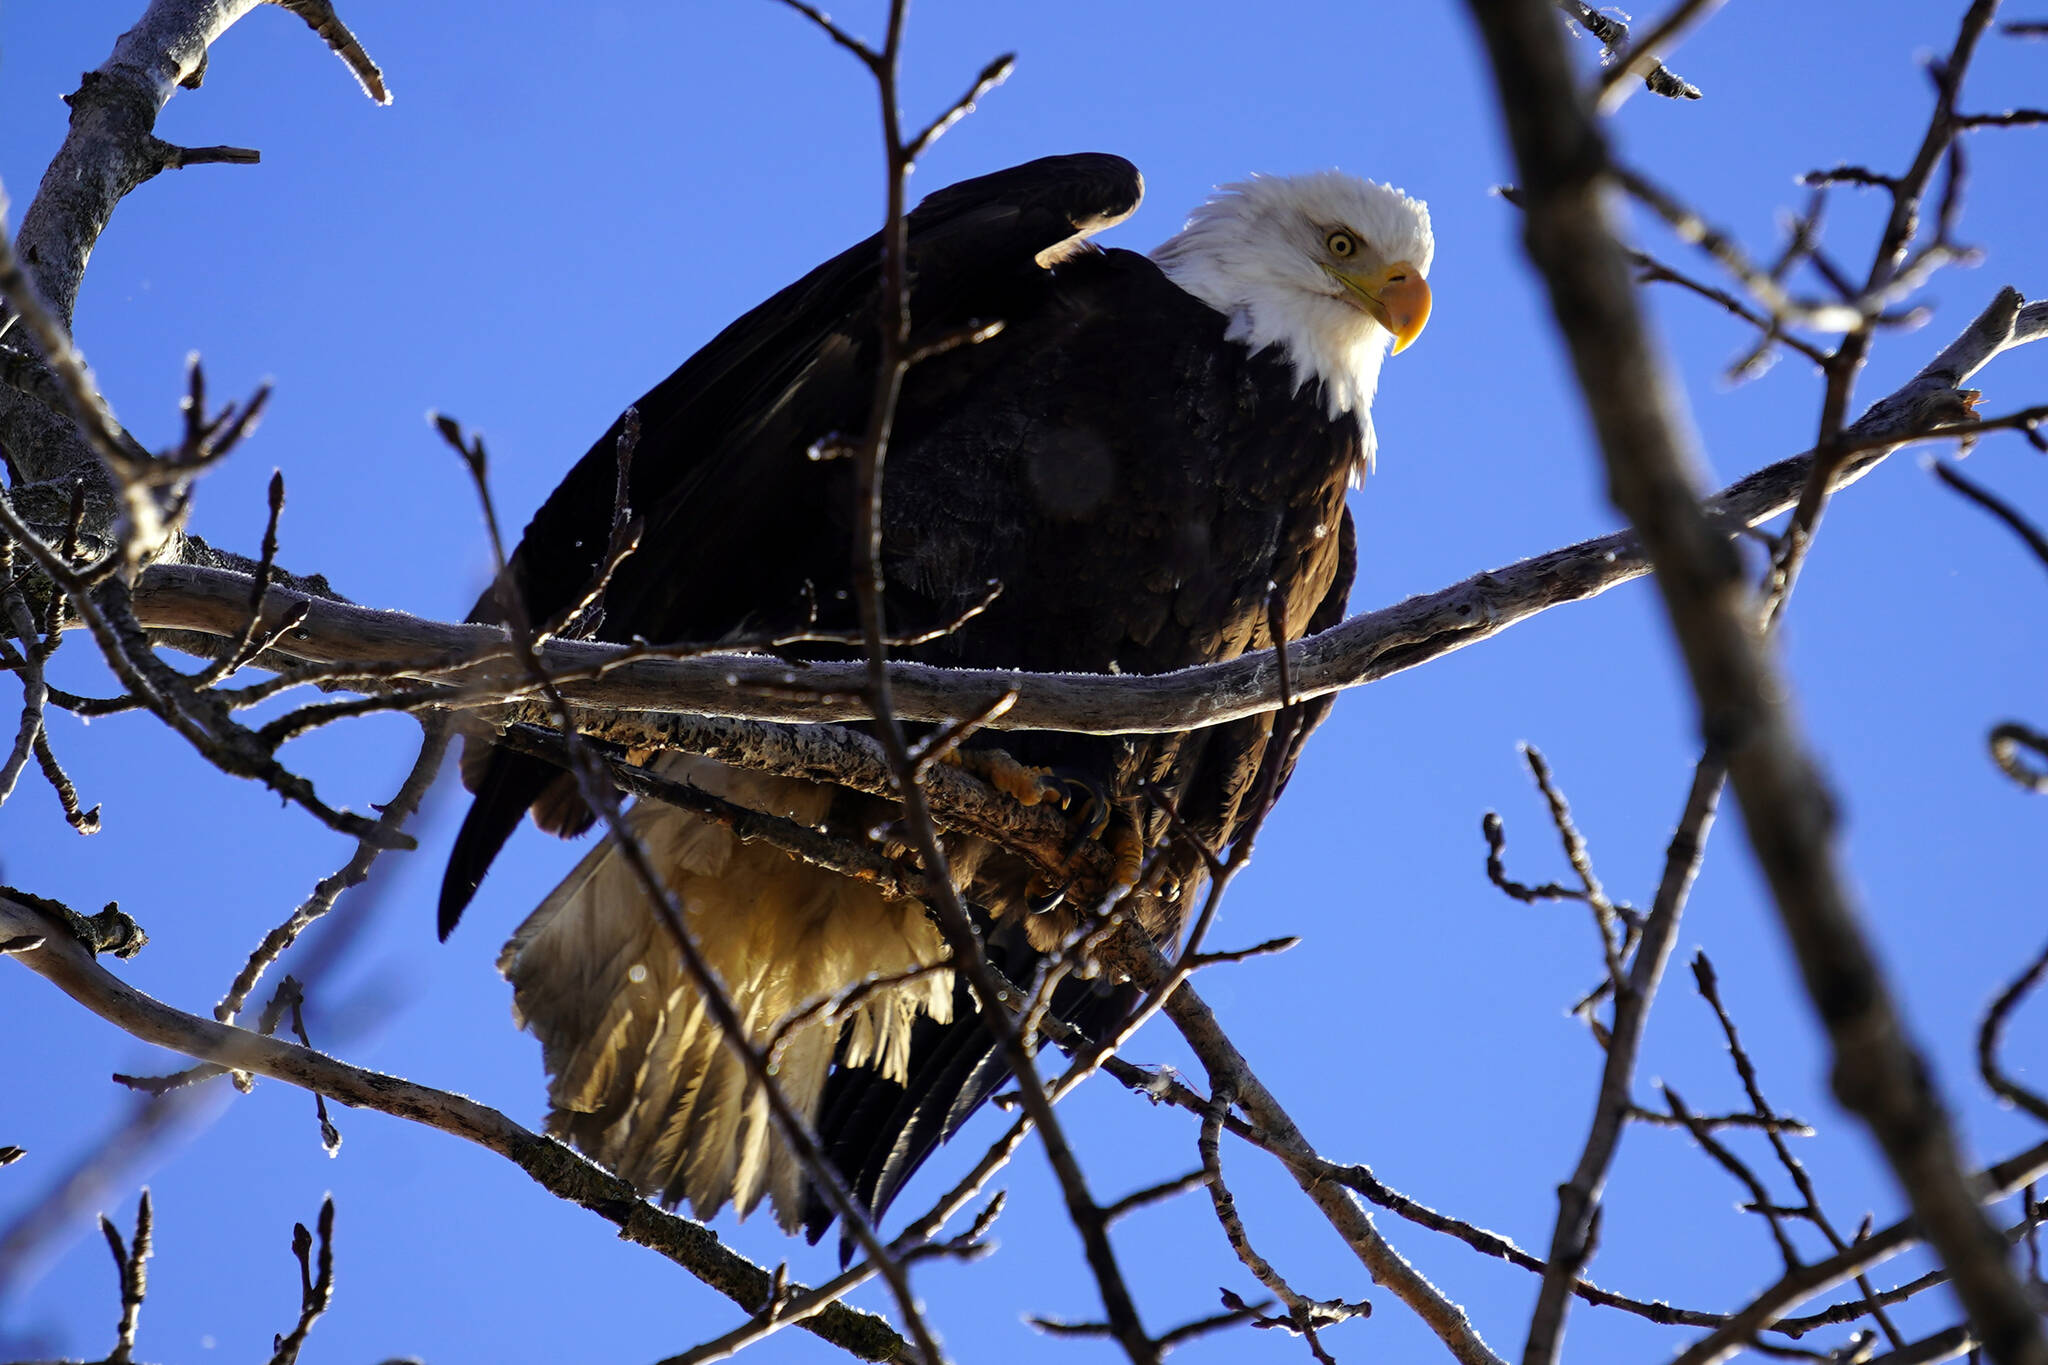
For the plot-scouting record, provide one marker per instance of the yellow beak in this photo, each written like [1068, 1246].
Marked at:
[1396, 297]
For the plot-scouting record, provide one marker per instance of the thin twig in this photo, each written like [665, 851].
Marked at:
[69, 966]
[132, 1263]
[1305, 1316]
[1990, 1032]
[1641, 58]
[1708, 983]
[316, 1289]
[1613, 36]
[2029, 535]
[2006, 740]
[391, 820]
[954, 923]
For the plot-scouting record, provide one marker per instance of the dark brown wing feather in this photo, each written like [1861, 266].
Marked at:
[740, 524]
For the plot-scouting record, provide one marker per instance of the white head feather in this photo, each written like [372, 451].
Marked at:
[1257, 252]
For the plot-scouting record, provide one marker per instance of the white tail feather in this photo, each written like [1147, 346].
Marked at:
[640, 1077]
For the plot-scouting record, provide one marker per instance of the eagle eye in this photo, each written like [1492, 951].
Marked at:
[1342, 245]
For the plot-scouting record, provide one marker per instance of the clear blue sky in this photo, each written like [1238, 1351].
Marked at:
[565, 200]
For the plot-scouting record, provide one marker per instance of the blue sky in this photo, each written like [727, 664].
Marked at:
[564, 201]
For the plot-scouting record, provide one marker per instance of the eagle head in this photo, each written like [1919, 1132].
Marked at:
[1330, 268]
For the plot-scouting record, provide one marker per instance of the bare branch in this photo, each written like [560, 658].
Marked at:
[1226, 1065]
[2007, 739]
[1613, 36]
[1305, 1316]
[1361, 650]
[1691, 227]
[1708, 983]
[1579, 1199]
[391, 820]
[1995, 1183]
[598, 793]
[316, 1290]
[132, 1263]
[1742, 693]
[1943, 1345]
[196, 716]
[1759, 1197]
[30, 739]
[321, 18]
[110, 149]
[992, 75]
[1990, 1031]
[1996, 506]
[67, 964]
[253, 639]
[1641, 58]
[2008, 118]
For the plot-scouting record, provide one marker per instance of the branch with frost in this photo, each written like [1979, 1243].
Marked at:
[628, 695]
[46, 945]
[337, 636]
[1742, 692]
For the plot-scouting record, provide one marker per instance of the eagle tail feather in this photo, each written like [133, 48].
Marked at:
[640, 1077]
[880, 1129]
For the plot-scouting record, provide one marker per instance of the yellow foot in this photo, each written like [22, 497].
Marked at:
[1127, 848]
[1023, 783]
[1118, 835]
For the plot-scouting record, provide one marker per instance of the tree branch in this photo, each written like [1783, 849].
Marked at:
[1742, 693]
[111, 149]
[66, 964]
[1361, 650]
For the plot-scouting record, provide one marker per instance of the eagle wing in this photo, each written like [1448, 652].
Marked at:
[722, 469]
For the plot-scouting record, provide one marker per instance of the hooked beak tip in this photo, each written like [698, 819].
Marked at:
[1406, 302]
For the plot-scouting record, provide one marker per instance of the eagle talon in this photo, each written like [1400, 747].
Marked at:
[1026, 785]
[1091, 815]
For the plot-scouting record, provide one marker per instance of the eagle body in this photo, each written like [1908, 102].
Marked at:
[1137, 469]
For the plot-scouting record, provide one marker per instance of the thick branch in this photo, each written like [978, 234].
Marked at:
[1361, 650]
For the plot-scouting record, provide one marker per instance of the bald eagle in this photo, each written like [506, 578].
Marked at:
[1149, 452]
